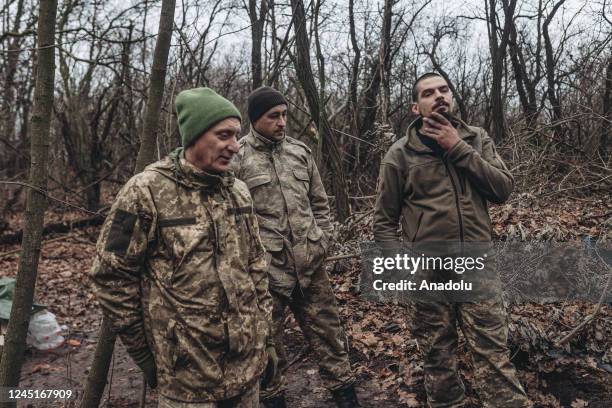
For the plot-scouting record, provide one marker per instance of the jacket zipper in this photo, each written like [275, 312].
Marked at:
[456, 200]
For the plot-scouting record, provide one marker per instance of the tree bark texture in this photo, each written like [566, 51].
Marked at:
[385, 62]
[354, 109]
[257, 29]
[96, 381]
[550, 68]
[524, 86]
[606, 119]
[8, 109]
[498, 48]
[12, 357]
[317, 111]
[146, 153]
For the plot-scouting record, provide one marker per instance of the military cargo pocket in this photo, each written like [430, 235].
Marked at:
[302, 176]
[241, 332]
[258, 187]
[257, 180]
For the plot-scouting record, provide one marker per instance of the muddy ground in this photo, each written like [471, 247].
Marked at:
[382, 351]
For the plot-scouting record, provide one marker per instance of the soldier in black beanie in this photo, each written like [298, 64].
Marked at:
[293, 215]
[261, 100]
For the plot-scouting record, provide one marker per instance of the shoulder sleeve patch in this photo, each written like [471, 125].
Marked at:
[121, 232]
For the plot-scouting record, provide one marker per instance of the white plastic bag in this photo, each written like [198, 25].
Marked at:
[44, 333]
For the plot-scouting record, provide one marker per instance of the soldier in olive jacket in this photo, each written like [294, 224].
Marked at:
[437, 180]
[293, 214]
[181, 272]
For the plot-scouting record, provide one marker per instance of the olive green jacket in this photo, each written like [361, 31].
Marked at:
[439, 198]
[181, 273]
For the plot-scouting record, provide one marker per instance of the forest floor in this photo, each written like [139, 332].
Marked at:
[382, 350]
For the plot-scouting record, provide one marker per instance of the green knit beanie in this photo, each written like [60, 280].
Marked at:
[199, 109]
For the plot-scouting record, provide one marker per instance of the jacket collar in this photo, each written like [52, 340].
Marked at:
[415, 144]
[260, 142]
[189, 175]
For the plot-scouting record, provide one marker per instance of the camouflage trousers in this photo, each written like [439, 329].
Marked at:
[248, 399]
[316, 312]
[485, 329]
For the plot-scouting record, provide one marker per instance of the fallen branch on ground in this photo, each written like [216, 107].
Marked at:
[59, 227]
[338, 257]
[592, 316]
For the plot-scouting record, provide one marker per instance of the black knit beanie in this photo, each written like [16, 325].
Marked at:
[263, 99]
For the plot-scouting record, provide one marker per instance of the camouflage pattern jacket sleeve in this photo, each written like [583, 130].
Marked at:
[117, 269]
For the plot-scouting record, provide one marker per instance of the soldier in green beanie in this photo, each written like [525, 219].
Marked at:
[181, 272]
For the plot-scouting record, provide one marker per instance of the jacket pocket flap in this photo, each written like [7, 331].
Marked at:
[271, 240]
[301, 174]
[257, 180]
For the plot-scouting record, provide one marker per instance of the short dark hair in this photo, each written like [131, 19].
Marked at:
[415, 94]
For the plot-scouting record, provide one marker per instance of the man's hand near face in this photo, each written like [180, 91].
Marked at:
[441, 130]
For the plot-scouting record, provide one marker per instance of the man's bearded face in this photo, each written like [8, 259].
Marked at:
[433, 95]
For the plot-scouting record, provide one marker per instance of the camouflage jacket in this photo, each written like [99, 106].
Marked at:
[290, 202]
[180, 269]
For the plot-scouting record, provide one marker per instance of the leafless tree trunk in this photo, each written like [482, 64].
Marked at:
[96, 381]
[606, 120]
[12, 357]
[106, 338]
[280, 52]
[372, 93]
[257, 29]
[550, 67]
[353, 103]
[497, 46]
[156, 89]
[321, 70]
[9, 113]
[385, 61]
[439, 33]
[526, 88]
[305, 77]
[354, 109]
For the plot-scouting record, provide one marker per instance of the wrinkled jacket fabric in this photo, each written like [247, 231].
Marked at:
[290, 203]
[440, 198]
[180, 269]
